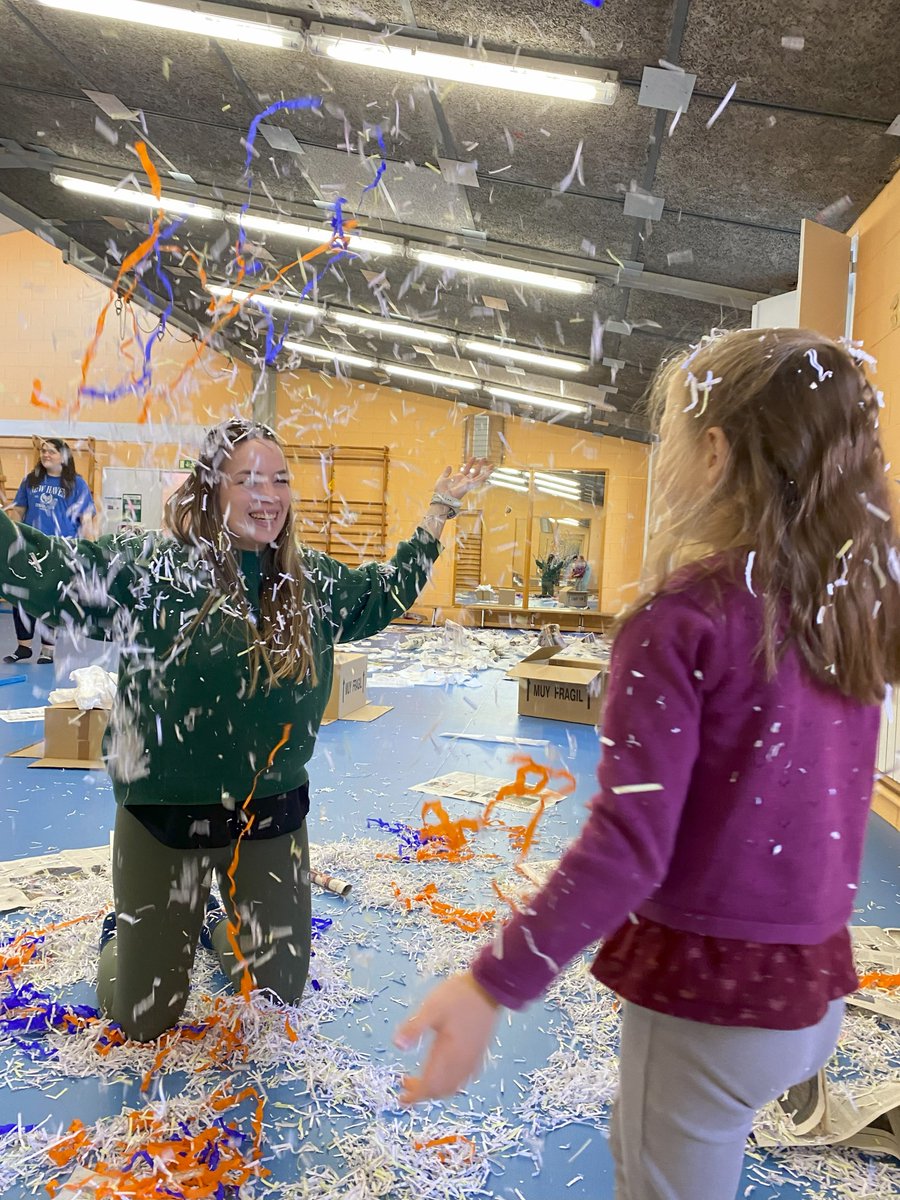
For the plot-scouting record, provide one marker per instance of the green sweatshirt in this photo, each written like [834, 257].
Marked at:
[184, 729]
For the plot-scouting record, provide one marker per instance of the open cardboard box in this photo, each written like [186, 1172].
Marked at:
[563, 683]
[348, 700]
[72, 738]
[587, 651]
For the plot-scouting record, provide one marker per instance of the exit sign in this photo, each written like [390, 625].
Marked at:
[185, 464]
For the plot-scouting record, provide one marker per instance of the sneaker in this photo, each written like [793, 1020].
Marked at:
[44, 658]
[22, 652]
[215, 913]
[107, 929]
[806, 1104]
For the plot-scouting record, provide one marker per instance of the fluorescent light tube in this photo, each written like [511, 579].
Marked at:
[507, 483]
[560, 495]
[414, 333]
[326, 355]
[123, 195]
[557, 482]
[316, 235]
[514, 354]
[541, 401]
[456, 381]
[265, 301]
[209, 20]
[499, 270]
[514, 73]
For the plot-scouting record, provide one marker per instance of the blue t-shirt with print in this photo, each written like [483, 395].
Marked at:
[49, 509]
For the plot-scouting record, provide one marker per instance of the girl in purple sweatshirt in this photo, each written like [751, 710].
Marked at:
[720, 859]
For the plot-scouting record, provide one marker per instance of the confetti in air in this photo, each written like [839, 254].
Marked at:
[724, 104]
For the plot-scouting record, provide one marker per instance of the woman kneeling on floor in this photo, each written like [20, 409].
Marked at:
[227, 628]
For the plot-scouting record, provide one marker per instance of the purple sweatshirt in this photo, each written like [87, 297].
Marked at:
[729, 805]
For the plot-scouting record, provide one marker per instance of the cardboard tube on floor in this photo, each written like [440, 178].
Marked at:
[330, 883]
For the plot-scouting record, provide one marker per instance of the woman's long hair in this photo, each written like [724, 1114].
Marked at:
[279, 643]
[38, 472]
[803, 495]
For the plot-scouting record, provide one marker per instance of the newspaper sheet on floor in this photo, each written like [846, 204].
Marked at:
[855, 1100]
[480, 789]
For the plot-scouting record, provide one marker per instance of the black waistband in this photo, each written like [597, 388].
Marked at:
[213, 826]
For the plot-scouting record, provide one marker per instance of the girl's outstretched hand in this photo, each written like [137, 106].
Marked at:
[461, 1015]
[471, 475]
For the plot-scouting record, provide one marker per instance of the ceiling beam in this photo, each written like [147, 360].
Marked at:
[673, 53]
[14, 156]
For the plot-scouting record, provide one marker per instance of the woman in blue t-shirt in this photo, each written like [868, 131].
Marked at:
[55, 499]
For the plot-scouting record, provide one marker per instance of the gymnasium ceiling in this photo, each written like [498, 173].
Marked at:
[805, 135]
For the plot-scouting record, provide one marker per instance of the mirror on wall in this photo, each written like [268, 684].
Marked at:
[535, 543]
[566, 539]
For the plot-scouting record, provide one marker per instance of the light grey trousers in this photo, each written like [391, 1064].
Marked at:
[160, 896]
[688, 1093]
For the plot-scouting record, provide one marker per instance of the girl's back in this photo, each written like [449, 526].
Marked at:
[776, 771]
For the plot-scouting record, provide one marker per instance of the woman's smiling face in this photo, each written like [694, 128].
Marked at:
[254, 494]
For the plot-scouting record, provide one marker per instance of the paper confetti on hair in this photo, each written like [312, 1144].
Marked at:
[748, 572]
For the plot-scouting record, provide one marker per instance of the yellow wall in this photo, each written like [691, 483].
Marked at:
[425, 434]
[876, 317]
[49, 312]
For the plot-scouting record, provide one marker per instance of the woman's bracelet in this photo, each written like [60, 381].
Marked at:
[449, 502]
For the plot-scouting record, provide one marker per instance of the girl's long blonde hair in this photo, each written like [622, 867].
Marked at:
[279, 642]
[803, 495]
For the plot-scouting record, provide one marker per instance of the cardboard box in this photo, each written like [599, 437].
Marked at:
[348, 700]
[72, 738]
[582, 653]
[485, 594]
[560, 687]
[506, 596]
[72, 734]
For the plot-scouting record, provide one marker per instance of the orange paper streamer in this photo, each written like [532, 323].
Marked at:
[15, 956]
[468, 920]
[451, 1139]
[174, 1161]
[447, 840]
[234, 930]
[879, 979]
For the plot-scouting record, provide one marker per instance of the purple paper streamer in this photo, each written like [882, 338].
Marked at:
[410, 840]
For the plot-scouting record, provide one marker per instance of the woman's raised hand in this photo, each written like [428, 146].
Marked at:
[457, 484]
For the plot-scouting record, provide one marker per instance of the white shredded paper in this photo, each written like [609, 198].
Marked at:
[332, 1128]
